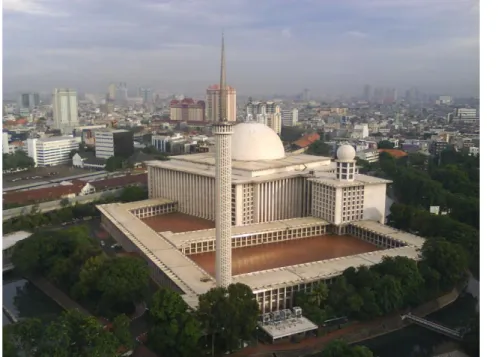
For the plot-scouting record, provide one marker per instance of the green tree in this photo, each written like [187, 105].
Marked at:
[319, 148]
[17, 160]
[175, 331]
[121, 330]
[74, 334]
[24, 336]
[389, 293]
[449, 260]
[133, 193]
[230, 314]
[339, 348]
[318, 294]
[114, 163]
[124, 281]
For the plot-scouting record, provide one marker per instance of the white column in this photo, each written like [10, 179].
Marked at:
[223, 202]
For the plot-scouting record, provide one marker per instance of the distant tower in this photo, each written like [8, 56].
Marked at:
[222, 131]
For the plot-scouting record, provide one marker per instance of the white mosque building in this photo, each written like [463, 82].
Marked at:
[276, 197]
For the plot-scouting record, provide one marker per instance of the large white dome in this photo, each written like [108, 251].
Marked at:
[254, 142]
[346, 153]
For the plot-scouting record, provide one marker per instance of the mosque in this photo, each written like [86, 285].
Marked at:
[251, 213]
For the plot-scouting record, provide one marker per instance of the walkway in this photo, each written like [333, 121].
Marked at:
[57, 295]
[433, 326]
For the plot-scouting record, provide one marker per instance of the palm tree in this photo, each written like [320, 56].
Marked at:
[318, 295]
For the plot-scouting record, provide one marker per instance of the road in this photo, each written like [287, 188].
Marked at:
[53, 205]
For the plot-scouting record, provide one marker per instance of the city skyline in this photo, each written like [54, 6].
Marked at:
[275, 47]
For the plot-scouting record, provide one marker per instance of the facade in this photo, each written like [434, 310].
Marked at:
[187, 110]
[213, 103]
[290, 117]
[65, 110]
[274, 121]
[121, 94]
[52, 151]
[29, 101]
[267, 113]
[110, 143]
[111, 92]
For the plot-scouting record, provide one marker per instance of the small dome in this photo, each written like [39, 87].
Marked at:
[256, 141]
[346, 153]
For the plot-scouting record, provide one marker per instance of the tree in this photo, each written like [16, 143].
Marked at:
[17, 160]
[133, 193]
[385, 144]
[121, 330]
[339, 348]
[24, 336]
[319, 148]
[449, 260]
[124, 281]
[114, 163]
[74, 334]
[231, 314]
[389, 293]
[318, 294]
[175, 331]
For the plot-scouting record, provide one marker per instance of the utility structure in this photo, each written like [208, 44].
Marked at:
[223, 131]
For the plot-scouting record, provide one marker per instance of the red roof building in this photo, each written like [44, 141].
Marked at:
[44, 194]
[118, 182]
[306, 140]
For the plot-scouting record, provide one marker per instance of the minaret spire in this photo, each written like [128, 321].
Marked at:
[223, 84]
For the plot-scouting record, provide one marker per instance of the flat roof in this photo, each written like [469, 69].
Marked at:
[261, 165]
[359, 180]
[405, 237]
[183, 239]
[193, 280]
[325, 269]
[289, 327]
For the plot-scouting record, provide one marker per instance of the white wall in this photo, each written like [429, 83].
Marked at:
[374, 204]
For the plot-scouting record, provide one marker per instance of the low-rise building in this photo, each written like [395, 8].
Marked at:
[369, 155]
[52, 151]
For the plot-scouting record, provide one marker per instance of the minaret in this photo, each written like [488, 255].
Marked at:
[222, 131]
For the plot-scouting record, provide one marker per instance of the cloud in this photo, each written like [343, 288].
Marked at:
[174, 44]
[31, 7]
[286, 33]
[356, 34]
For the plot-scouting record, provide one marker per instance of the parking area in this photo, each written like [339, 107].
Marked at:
[40, 174]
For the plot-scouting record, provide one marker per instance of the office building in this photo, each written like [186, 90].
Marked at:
[65, 110]
[52, 151]
[110, 143]
[213, 103]
[187, 110]
[28, 101]
[290, 117]
[367, 92]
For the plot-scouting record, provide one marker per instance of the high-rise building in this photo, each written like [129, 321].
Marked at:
[28, 101]
[367, 92]
[121, 94]
[213, 103]
[290, 117]
[187, 110]
[146, 95]
[65, 110]
[274, 121]
[111, 92]
[110, 143]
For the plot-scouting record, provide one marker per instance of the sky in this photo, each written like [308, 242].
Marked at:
[331, 47]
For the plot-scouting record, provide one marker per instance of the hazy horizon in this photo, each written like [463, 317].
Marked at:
[274, 46]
